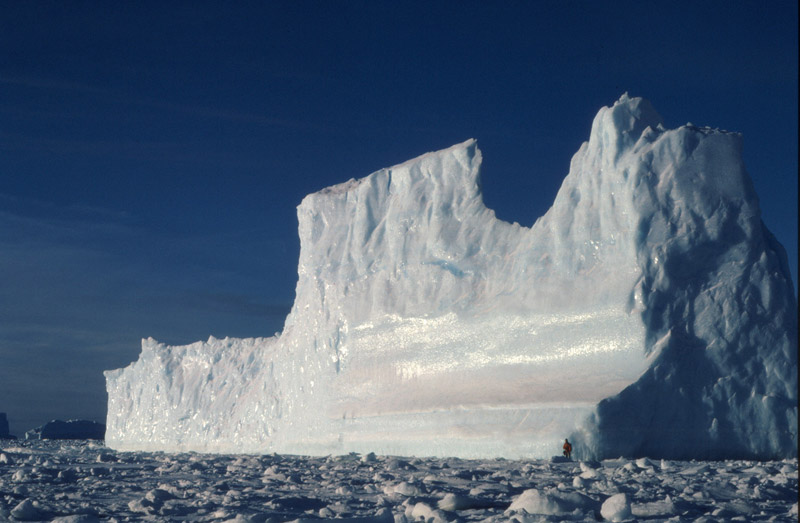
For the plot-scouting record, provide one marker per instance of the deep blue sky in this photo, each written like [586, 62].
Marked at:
[152, 156]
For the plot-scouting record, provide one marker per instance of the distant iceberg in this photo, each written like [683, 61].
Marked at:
[70, 429]
[4, 434]
[648, 312]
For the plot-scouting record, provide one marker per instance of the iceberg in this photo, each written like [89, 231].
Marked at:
[70, 429]
[4, 434]
[649, 312]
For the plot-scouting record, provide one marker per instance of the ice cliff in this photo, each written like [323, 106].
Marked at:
[648, 312]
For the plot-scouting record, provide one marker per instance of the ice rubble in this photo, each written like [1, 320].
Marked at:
[648, 312]
[79, 481]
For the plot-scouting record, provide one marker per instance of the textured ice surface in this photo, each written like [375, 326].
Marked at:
[82, 482]
[648, 312]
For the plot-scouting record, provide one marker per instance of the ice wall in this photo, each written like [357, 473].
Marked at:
[649, 312]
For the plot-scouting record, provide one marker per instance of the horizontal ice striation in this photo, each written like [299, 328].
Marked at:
[648, 312]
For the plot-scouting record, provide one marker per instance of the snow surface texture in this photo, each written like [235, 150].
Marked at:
[86, 482]
[648, 312]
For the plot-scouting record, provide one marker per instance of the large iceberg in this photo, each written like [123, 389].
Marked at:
[648, 312]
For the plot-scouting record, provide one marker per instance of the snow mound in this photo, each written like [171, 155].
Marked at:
[553, 503]
[648, 312]
[616, 508]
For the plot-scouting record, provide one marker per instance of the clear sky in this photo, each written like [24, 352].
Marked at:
[152, 154]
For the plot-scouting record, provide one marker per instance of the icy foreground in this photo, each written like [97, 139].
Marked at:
[78, 482]
[648, 312]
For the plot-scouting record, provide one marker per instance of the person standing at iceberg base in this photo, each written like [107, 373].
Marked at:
[567, 448]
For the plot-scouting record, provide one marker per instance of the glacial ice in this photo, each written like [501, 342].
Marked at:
[648, 312]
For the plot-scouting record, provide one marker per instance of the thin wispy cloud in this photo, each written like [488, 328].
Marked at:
[196, 111]
[234, 116]
[51, 84]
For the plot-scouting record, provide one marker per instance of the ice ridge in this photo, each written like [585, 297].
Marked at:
[648, 312]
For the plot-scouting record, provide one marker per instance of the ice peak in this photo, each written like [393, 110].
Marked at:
[634, 113]
[617, 128]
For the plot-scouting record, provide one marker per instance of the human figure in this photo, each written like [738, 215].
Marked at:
[567, 448]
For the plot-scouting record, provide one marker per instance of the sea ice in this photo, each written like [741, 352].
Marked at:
[649, 312]
[78, 481]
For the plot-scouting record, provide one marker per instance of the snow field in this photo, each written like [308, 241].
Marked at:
[86, 482]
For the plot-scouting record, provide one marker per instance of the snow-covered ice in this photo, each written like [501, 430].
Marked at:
[649, 312]
[86, 482]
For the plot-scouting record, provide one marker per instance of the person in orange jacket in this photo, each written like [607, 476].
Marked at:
[567, 448]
